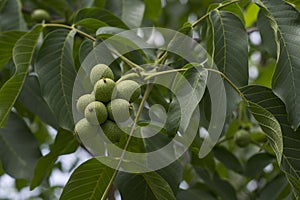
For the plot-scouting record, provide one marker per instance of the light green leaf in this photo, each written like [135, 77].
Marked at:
[148, 186]
[251, 14]
[56, 73]
[65, 143]
[285, 20]
[7, 43]
[100, 14]
[133, 12]
[88, 181]
[11, 17]
[22, 56]
[19, 151]
[290, 164]
[153, 9]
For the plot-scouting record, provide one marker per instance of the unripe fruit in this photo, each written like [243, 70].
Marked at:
[39, 15]
[242, 138]
[118, 110]
[103, 89]
[128, 90]
[83, 101]
[96, 113]
[100, 71]
[83, 129]
[112, 131]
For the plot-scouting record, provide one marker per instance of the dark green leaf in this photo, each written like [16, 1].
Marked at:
[11, 16]
[100, 14]
[267, 34]
[228, 159]
[22, 55]
[65, 143]
[270, 126]
[91, 24]
[89, 181]
[230, 51]
[153, 9]
[148, 186]
[32, 99]
[291, 139]
[194, 194]
[273, 188]
[56, 73]
[7, 43]
[285, 20]
[221, 187]
[19, 151]
[257, 163]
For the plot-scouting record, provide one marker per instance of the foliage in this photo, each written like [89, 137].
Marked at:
[254, 45]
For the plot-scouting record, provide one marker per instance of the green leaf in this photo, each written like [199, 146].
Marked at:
[285, 20]
[153, 9]
[22, 55]
[133, 12]
[273, 188]
[11, 16]
[267, 34]
[56, 73]
[19, 151]
[32, 99]
[100, 14]
[197, 78]
[256, 163]
[91, 24]
[228, 159]
[148, 186]
[291, 139]
[231, 47]
[195, 194]
[65, 143]
[7, 43]
[221, 187]
[270, 126]
[230, 51]
[88, 181]
[251, 14]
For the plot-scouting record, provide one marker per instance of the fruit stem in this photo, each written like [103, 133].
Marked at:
[221, 5]
[151, 75]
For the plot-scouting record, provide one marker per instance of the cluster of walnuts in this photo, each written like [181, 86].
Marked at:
[110, 102]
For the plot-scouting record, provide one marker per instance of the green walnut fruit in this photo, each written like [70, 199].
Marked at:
[242, 138]
[100, 71]
[83, 129]
[119, 110]
[103, 89]
[128, 90]
[112, 131]
[40, 15]
[83, 101]
[96, 113]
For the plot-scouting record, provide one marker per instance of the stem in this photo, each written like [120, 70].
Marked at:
[221, 5]
[71, 28]
[224, 140]
[231, 83]
[139, 112]
[129, 62]
[151, 75]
